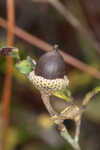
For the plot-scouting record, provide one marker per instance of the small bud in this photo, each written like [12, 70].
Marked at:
[13, 52]
[6, 51]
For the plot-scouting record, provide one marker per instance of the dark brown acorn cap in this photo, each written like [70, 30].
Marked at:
[51, 65]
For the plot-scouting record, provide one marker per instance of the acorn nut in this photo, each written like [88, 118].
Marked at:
[51, 65]
[50, 73]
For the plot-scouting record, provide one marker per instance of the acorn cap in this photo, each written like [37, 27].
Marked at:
[51, 65]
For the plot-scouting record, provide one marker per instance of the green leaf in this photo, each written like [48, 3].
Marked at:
[64, 94]
[15, 53]
[25, 66]
[97, 89]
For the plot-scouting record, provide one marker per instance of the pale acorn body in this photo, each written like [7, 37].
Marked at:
[48, 86]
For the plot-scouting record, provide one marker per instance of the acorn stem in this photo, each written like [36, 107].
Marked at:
[55, 47]
[46, 101]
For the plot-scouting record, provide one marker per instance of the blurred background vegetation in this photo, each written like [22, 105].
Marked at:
[29, 125]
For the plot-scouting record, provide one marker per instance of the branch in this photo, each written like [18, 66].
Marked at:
[89, 96]
[46, 101]
[46, 47]
[6, 97]
[64, 133]
[77, 132]
[75, 23]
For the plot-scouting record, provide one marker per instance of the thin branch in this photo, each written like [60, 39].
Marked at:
[77, 132]
[46, 101]
[75, 23]
[46, 47]
[39, 1]
[6, 97]
[64, 133]
[89, 96]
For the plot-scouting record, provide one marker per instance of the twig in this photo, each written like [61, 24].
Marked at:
[46, 101]
[89, 96]
[64, 133]
[39, 1]
[77, 132]
[6, 97]
[75, 23]
[46, 47]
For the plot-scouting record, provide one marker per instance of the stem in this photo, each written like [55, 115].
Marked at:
[64, 133]
[89, 96]
[46, 101]
[77, 132]
[6, 97]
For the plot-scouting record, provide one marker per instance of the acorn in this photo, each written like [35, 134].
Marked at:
[51, 65]
[49, 75]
